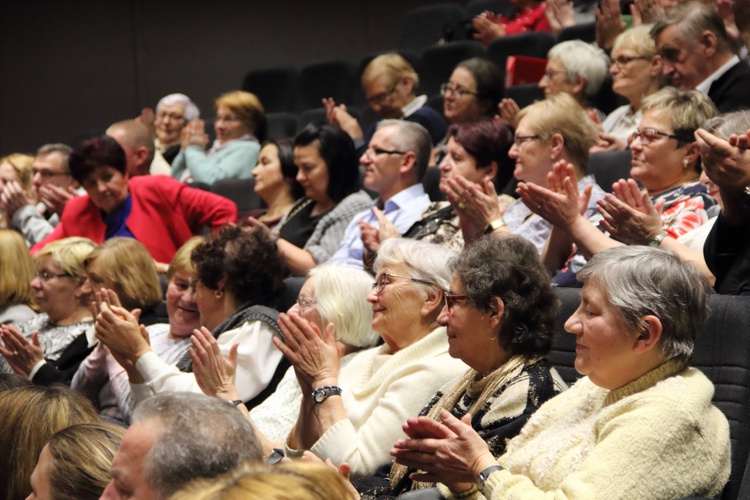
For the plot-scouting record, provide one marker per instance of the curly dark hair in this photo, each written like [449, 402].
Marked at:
[253, 267]
[509, 268]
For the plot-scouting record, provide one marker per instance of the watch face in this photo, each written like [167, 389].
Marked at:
[320, 396]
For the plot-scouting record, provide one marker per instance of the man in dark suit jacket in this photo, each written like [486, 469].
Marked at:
[698, 54]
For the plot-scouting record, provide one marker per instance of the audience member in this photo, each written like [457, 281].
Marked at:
[12, 380]
[100, 376]
[500, 314]
[173, 112]
[389, 83]
[698, 54]
[529, 16]
[395, 162]
[473, 91]
[49, 347]
[276, 181]
[239, 281]
[36, 216]
[633, 343]
[29, 416]
[159, 212]
[381, 386]
[240, 124]
[176, 438]
[75, 463]
[328, 171]
[16, 274]
[636, 70]
[476, 152]
[137, 141]
[332, 294]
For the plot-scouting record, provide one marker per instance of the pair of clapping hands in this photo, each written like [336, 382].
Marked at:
[14, 197]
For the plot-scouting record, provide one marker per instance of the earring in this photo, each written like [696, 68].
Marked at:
[685, 163]
[218, 294]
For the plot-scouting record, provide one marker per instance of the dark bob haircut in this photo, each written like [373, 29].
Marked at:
[102, 151]
[509, 268]
[337, 150]
[288, 167]
[489, 80]
[487, 141]
[249, 260]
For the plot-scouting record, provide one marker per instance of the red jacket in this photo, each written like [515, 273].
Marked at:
[165, 214]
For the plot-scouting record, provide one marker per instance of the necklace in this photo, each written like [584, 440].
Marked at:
[297, 210]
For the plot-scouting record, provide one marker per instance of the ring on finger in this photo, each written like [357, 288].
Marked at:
[461, 205]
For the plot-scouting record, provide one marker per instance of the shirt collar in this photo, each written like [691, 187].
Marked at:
[414, 105]
[705, 85]
[401, 198]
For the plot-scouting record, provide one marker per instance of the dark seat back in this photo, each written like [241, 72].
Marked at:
[281, 125]
[532, 44]
[439, 61]
[334, 78]
[608, 167]
[426, 26]
[274, 87]
[241, 192]
[525, 94]
[583, 31]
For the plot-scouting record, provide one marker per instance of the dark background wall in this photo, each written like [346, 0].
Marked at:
[70, 66]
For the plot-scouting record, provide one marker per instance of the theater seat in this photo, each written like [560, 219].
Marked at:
[532, 44]
[426, 26]
[609, 167]
[334, 78]
[274, 87]
[439, 61]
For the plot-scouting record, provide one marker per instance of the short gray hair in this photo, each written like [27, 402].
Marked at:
[424, 261]
[198, 436]
[736, 122]
[57, 147]
[341, 294]
[642, 281]
[191, 110]
[691, 20]
[414, 137]
[582, 59]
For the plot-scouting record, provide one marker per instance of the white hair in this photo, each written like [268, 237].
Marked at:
[425, 261]
[191, 110]
[582, 59]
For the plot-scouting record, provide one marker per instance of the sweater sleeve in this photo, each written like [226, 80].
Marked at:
[91, 374]
[327, 236]
[236, 161]
[32, 225]
[257, 359]
[202, 208]
[63, 369]
[57, 234]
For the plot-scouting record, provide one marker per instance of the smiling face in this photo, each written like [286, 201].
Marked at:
[533, 156]
[382, 171]
[169, 122]
[604, 348]
[461, 108]
[41, 489]
[57, 295]
[309, 311]
[107, 187]
[633, 75]
[312, 172]
[268, 176]
[660, 164]
[458, 161]
[228, 125]
[181, 307]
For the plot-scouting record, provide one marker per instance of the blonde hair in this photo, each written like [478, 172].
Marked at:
[82, 456]
[561, 114]
[130, 269]
[69, 253]
[16, 269]
[30, 416]
[182, 260]
[687, 110]
[638, 39]
[22, 164]
[246, 106]
[392, 66]
[284, 481]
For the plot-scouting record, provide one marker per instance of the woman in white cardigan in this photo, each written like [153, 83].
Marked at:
[355, 415]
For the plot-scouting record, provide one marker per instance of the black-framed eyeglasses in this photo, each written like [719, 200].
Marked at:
[304, 302]
[46, 276]
[381, 98]
[382, 280]
[447, 88]
[379, 151]
[519, 140]
[621, 61]
[452, 298]
[649, 135]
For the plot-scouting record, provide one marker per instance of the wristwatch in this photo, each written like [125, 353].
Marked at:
[655, 242]
[321, 393]
[494, 225]
[481, 480]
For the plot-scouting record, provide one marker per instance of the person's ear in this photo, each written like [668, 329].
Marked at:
[708, 42]
[408, 84]
[408, 163]
[657, 66]
[490, 171]
[496, 312]
[141, 154]
[578, 86]
[692, 154]
[433, 301]
[558, 143]
[649, 335]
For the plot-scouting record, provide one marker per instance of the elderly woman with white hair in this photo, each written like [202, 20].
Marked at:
[173, 112]
[354, 414]
[331, 294]
[640, 424]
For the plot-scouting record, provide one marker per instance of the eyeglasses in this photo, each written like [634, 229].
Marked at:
[550, 73]
[377, 151]
[381, 98]
[621, 61]
[649, 135]
[46, 276]
[382, 280]
[169, 116]
[519, 140]
[451, 299]
[46, 174]
[304, 302]
[447, 88]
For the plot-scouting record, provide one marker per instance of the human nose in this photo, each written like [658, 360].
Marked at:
[373, 296]
[108, 493]
[574, 324]
[443, 317]
[365, 159]
[37, 179]
[300, 177]
[513, 152]
[294, 309]
[636, 142]
[445, 165]
[667, 67]
[544, 81]
[36, 283]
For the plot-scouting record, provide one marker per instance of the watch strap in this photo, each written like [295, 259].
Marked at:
[482, 479]
[495, 224]
[322, 393]
[655, 242]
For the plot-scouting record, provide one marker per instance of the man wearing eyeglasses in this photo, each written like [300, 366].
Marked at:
[53, 186]
[698, 54]
[394, 163]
